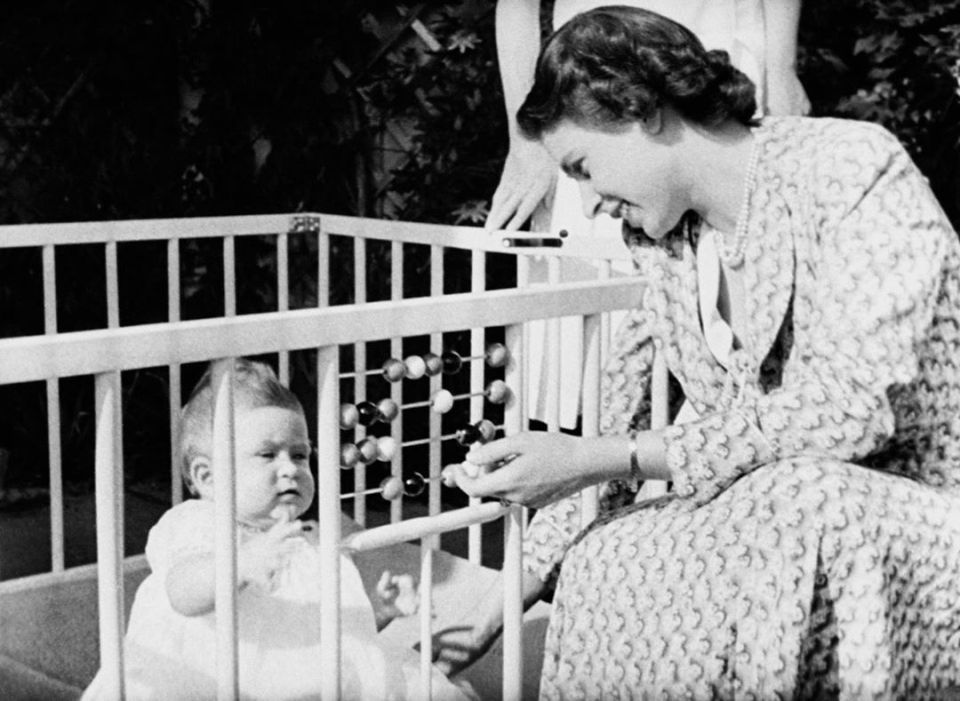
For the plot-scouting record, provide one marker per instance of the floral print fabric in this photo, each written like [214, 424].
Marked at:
[810, 545]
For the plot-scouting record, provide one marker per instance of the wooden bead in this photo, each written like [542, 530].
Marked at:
[386, 448]
[389, 410]
[368, 450]
[415, 367]
[487, 430]
[391, 488]
[414, 484]
[368, 413]
[349, 456]
[349, 416]
[452, 362]
[497, 392]
[442, 401]
[496, 355]
[434, 364]
[394, 370]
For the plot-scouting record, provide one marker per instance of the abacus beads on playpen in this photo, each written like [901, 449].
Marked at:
[366, 413]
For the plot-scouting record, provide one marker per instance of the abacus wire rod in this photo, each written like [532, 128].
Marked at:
[444, 437]
[348, 375]
[378, 490]
[428, 402]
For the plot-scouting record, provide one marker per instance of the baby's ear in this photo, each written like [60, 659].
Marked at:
[201, 475]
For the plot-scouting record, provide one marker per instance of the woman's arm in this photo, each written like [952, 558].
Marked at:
[528, 172]
[785, 93]
[539, 467]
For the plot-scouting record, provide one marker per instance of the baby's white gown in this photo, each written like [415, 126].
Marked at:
[170, 656]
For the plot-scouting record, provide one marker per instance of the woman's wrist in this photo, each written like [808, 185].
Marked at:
[647, 456]
[608, 458]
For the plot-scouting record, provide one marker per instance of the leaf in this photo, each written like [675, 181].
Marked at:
[463, 41]
[471, 212]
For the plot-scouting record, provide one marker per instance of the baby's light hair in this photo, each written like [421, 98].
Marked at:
[255, 385]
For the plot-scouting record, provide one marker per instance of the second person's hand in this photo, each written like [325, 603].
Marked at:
[527, 178]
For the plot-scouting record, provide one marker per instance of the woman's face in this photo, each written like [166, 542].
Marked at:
[628, 173]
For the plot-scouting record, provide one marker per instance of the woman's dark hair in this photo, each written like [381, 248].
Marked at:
[614, 65]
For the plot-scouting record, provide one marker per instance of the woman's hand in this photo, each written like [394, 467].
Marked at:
[537, 468]
[528, 176]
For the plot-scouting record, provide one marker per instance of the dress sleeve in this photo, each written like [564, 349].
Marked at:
[625, 408]
[186, 529]
[868, 275]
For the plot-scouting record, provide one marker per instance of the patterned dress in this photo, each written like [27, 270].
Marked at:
[811, 545]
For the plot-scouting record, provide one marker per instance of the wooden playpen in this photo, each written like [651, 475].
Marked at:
[340, 337]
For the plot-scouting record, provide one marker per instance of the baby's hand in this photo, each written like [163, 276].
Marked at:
[398, 594]
[259, 559]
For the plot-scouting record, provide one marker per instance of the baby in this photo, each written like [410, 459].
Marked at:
[170, 645]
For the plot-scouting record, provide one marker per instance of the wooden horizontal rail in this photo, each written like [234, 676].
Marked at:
[32, 358]
[414, 528]
[461, 237]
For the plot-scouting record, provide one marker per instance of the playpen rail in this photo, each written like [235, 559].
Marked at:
[31, 358]
[468, 238]
[173, 231]
[106, 352]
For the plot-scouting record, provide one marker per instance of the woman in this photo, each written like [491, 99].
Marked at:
[804, 289]
[761, 38]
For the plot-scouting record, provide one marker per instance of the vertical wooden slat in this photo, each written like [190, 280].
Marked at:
[359, 377]
[396, 388]
[283, 298]
[553, 349]
[323, 268]
[514, 419]
[436, 383]
[513, 605]
[113, 286]
[229, 276]
[478, 283]
[328, 499]
[225, 545]
[523, 281]
[591, 404]
[173, 315]
[426, 616]
[54, 445]
[108, 469]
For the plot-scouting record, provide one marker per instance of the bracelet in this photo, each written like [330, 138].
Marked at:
[634, 462]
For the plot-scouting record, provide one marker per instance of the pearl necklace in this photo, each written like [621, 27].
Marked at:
[731, 253]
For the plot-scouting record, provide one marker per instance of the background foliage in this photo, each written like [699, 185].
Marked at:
[112, 109]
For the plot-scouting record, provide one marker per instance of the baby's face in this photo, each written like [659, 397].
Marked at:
[273, 472]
